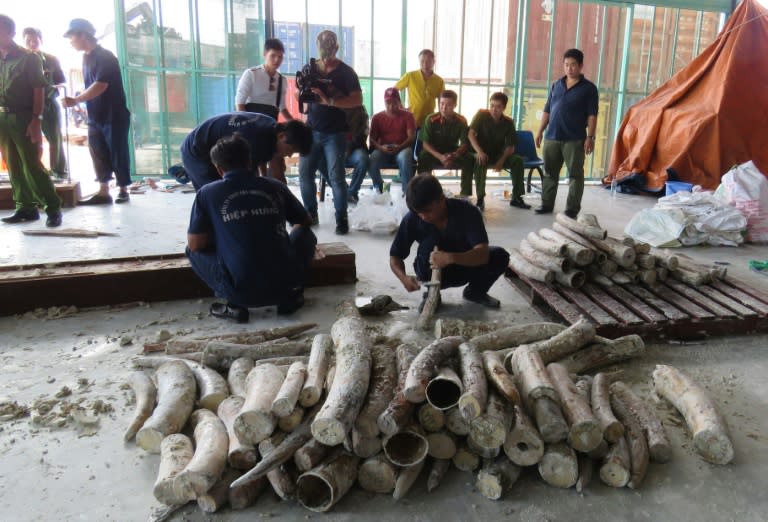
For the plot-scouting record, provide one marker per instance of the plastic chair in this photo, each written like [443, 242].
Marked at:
[526, 147]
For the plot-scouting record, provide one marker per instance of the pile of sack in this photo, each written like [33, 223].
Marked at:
[735, 212]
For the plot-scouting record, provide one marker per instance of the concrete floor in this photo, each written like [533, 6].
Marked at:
[67, 474]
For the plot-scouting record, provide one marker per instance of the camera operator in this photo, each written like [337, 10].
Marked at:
[338, 89]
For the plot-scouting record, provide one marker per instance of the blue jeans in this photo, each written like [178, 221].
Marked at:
[332, 148]
[403, 160]
[358, 161]
[208, 267]
[108, 145]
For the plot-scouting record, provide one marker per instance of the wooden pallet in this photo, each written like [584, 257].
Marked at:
[665, 310]
[125, 280]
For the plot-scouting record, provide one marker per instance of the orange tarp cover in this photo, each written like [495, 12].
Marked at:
[709, 116]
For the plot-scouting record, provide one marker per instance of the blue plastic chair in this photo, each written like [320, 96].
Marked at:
[526, 148]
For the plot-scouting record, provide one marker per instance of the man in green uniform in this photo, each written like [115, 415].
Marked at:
[54, 77]
[444, 136]
[21, 111]
[493, 138]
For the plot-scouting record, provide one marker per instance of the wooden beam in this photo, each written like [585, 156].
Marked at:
[124, 280]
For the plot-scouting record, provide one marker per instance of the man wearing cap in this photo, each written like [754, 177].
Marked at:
[54, 77]
[424, 87]
[21, 111]
[444, 136]
[393, 131]
[269, 142]
[108, 115]
[339, 90]
[493, 137]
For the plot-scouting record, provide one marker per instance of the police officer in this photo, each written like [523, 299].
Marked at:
[54, 77]
[108, 115]
[21, 112]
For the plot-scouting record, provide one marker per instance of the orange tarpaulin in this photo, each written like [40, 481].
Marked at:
[709, 116]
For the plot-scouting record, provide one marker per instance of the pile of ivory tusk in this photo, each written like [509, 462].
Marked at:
[482, 397]
[578, 251]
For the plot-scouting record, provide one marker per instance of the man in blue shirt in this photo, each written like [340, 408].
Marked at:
[269, 141]
[237, 240]
[108, 115]
[570, 119]
[451, 236]
[340, 89]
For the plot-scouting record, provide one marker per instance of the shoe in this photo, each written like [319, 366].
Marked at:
[484, 299]
[54, 219]
[291, 306]
[519, 203]
[315, 219]
[96, 199]
[480, 203]
[342, 227]
[543, 210]
[573, 214]
[424, 300]
[22, 216]
[123, 197]
[237, 313]
[353, 199]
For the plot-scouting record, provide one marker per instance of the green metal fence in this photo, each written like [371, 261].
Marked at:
[182, 58]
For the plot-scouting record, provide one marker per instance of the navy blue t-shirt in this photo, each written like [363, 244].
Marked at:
[257, 129]
[569, 109]
[101, 65]
[245, 216]
[327, 119]
[464, 231]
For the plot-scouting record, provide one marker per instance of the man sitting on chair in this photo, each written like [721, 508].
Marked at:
[237, 238]
[451, 236]
[493, 137]
[444, 137]
[393, 132]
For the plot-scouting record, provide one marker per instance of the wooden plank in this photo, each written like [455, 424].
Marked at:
[664, 307]
[611, 305]
[583, 301]
[694, 295]
[750, 290]
[155, 278]
[636, 305]
[726, 301]
[565, 309]
[745, 299]
[681, 302]
[68, 192]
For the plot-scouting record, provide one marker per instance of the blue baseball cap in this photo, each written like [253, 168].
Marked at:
[80, 25]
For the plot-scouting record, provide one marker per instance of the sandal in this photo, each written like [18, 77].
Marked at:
[229, 311]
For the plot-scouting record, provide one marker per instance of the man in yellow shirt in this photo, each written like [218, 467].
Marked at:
[424, 87]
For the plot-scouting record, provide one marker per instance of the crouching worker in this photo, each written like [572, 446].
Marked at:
[237, 240]
[454, 229]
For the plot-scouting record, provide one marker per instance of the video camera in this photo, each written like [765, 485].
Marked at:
[307, 78]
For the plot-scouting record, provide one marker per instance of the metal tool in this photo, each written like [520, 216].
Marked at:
[66, 134]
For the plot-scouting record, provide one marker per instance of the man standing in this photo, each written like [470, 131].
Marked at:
[424, 87]
[570, 119]
[269, 143]
[108, 115]
[339, 90]
[237, 240]
[493, 136]
[356, 151]
[444, 137]
[21, 111]
[451, 236]
[54, 77]
[393, 132]
[262, 89]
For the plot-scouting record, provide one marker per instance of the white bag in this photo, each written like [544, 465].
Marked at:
[746, 188]
[658, 228]
[374, 213]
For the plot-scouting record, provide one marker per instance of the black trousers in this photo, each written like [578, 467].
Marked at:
[479, 279]
[208, 268]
